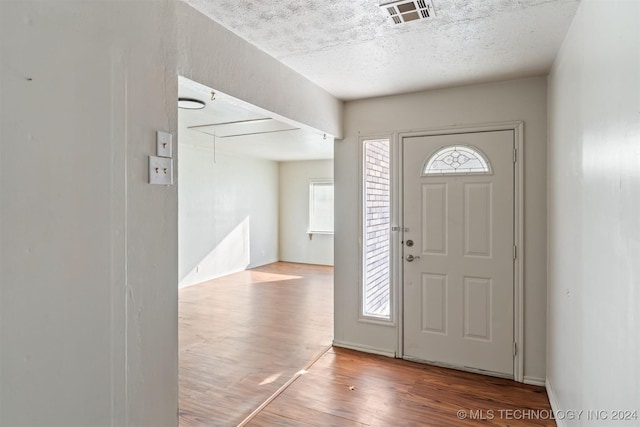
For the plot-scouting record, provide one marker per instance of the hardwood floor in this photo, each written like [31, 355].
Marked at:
[244, 335]
[348, 388]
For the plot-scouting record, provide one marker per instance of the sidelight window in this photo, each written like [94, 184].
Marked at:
[376, 242]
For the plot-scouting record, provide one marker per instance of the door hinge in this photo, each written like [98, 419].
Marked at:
[515, 252]
[515, 155]
[515, 349]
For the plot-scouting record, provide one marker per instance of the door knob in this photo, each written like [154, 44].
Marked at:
[411, 258]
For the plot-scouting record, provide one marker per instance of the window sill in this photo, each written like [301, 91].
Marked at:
[322, 233]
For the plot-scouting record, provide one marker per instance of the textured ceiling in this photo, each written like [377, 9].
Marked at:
[349, 48]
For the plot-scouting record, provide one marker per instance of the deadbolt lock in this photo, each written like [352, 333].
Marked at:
[409, 243]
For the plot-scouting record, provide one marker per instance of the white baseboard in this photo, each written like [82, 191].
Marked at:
[365, 349]
[534, 381]
[555, 406]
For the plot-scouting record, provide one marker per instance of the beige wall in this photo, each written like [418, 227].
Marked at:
[88, 267]
[228, 212]
[594, 213]
[507, 101]
[295, 245]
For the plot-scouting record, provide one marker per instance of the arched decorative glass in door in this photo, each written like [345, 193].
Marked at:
[457, 160]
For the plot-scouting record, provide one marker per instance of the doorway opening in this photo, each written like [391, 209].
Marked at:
[255, 253]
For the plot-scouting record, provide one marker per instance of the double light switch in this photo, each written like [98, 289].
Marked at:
[161, 165]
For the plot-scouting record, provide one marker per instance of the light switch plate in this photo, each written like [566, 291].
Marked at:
[163, 144]
[160, 170]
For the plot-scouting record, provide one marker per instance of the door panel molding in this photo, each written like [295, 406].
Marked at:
[434, 288]
[434, 233]
[518, 292]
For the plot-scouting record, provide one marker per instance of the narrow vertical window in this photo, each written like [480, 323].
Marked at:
[376, 292]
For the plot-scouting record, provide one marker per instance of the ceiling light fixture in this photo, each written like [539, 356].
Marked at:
[402, 11]
[190, 103]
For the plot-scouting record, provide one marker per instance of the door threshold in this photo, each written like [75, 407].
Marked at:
[460, 368]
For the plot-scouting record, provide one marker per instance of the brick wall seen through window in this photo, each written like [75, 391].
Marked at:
[377, 228]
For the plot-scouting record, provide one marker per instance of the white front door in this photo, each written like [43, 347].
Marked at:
[458, 250]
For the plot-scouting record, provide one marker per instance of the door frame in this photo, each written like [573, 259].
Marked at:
[518, 233]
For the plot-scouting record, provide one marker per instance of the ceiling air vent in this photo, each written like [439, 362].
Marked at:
[408, 10]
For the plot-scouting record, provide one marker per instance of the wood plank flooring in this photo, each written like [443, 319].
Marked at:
[243, 336]
[348, 388]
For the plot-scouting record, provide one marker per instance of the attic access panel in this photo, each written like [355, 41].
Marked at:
[403, 11]
[244, 127]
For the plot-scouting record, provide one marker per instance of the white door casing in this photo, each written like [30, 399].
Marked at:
[459, 294]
